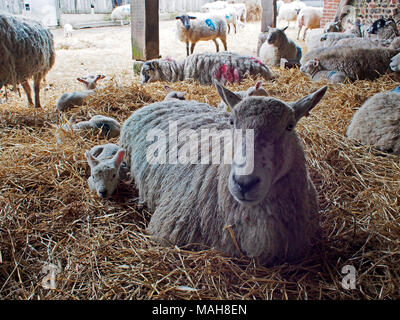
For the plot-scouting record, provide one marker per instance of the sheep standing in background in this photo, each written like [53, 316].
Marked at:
[278, 46]
[212, 28]
[310, 18]
[107, 168]
[216, 5]
[356, 63]
[121, 13]
[377, 122]
[241, 11]
[269, 213]
[314, 69]
[26, 51]
[395, 63]
[288, 12]
[204, 68]
[78, 98]
[68, 30]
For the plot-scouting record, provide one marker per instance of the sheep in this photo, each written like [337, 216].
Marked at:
[314, 69]
[174, 94]
[216, 5]
[229, 14]
[362, 42]
[78, 98]
[395, 63]
[395, 44]
[334, 26]
[201, 30]
[241, 11]
[107, 168]
[287, 12]
[269, 213]
[121, 12]
[109, 127]
[356, 63]
[313, 39]
[68, 30]
[377, 122]
[383, 29]
[26, 51]
[310, 18]
[262, 37]
[204, 68]
[256, 90]
[278, 46]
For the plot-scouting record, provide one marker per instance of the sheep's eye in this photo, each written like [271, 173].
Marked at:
[290, 127]
[113, 175]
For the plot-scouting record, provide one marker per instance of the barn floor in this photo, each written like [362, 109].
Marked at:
[98, 249]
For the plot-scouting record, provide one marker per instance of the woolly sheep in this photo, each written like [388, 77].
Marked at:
[395, 63]
[383, 29]
[26, 51]
[313, 39]
[204, 68]
[270, 214]
[121, 12]
[362, 43]
[310, 18]
[314, 69]
[334, 26]
[68, 30]
[278, 46]
[256, 90]
[107, 168]
[230, 15]
[377, 122]
[356, 63]
[78, 98]
[241, 11]
[109, 127]
[288, 12]
[395, 44]
[190, 31]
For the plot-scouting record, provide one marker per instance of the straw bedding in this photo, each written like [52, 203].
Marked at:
[48, 215]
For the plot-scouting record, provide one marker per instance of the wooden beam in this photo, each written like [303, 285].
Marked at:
[145, 29]
[268, 18]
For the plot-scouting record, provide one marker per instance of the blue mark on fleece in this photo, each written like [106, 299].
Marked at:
[228, 16]
[210, 24]
[330, 75]
[397, 90]
[299, 53]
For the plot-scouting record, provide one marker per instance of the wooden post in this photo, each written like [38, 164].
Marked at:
[144, 29]
[268, 14]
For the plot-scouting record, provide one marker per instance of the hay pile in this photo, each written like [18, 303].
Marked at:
[48, 216]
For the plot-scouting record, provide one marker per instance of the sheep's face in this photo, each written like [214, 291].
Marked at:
[376, 25]
[276, 36]
[395, 63]
[149, 72]
[271, 155]
[185, 19]
[105, 173]
[311, 67]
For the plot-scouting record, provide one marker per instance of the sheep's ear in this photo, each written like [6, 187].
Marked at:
[231, 99]
[259, 84]
[91, 160]
[99, 77]
[82, 80]
[284, 28]
[119, 157]
[303, 106]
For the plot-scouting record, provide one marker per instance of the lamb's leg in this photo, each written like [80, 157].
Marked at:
[187, 48]
[223, 39]
[234, 27]
[304, 35]
[192, 47]
[229, 27]
[36, 89]
[28, 91]
[216, 44]
[298, 34]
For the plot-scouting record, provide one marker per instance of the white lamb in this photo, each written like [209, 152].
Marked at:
[269, 213]
[377, 122]
[78, 98]
[395, 63]
[310, 18]
[107, 168]
[278, 46]
[68, 29]
[121, 12]
[190, 31]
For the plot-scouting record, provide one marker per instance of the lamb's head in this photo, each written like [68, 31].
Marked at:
[275, 147]
[174, 94]
[311, 67]
[335, 26]
[185, 19]
[150, 72]
[276, 36]
[105, 173]
[91, 81]
[395, 63]
[257, 90]
[380, 24]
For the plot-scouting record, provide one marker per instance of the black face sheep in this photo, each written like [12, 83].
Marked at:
[191, 31]
[377, 122]
[266, 211]
[278, 46]
[107, 168]
[26, 51]
[204, 68]
[384, 29]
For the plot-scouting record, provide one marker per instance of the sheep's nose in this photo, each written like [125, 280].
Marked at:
[103, 193]
[245, 185]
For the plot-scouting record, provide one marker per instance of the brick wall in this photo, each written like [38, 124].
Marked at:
[367, 10]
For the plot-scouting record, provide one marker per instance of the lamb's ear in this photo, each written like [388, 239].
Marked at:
[231, 99]
[99, 77]
[284, 28]
[91, 160]
[303, 106]
[119, 157]
[259, 84]
[82, 80]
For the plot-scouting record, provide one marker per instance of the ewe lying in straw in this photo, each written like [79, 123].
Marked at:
[269, 214]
